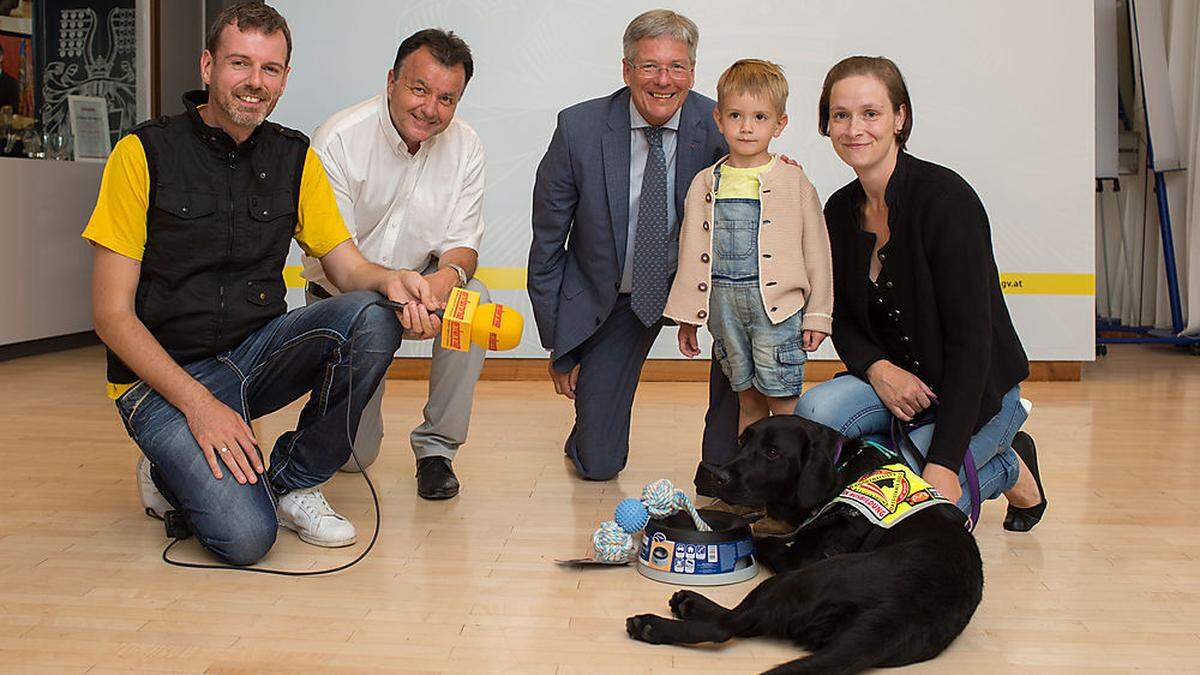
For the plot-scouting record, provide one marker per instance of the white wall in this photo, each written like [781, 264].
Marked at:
[45, 267]
[1003, 93]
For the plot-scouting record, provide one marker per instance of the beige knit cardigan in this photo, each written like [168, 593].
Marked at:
[795, 270]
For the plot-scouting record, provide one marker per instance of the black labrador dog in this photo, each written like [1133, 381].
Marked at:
[854, 594]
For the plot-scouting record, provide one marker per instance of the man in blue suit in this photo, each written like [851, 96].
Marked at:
[606, 210]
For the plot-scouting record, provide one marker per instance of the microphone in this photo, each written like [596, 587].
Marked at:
[465, 321]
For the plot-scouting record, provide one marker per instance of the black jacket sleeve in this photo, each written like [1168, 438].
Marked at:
[959, 248]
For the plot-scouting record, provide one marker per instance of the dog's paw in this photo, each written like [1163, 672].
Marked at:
[685, 603]
[644, 627]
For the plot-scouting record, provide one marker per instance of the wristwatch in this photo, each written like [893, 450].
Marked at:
[462, 274]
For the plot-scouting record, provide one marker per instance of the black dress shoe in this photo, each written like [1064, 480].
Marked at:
[1020, 519]
[435, 478]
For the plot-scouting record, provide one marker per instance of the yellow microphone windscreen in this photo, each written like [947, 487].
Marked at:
[496, 327]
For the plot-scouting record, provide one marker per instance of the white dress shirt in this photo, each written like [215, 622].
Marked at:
[403, 209]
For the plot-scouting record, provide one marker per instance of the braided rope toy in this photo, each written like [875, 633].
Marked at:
[613, 541]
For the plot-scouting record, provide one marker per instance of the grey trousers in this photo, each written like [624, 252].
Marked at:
[447, 413]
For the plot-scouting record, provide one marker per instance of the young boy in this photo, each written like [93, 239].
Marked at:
[754, 261]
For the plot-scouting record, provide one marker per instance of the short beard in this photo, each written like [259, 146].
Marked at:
[229, 104]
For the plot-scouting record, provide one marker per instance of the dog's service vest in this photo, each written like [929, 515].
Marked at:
[888, 495]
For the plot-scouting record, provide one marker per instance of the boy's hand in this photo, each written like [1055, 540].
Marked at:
[812, 339]
[689, 346]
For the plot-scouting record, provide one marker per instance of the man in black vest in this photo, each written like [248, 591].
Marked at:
[191, 229]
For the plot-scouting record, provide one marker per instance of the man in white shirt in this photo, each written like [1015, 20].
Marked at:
[408, 179]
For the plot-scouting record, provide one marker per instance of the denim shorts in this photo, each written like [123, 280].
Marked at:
[752, 351]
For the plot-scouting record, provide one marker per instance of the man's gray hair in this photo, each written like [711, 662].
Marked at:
[657, 23]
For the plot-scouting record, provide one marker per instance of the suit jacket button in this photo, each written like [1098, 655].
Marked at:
[888, 284]
[703, 257]
[701, 314]
[703, 286]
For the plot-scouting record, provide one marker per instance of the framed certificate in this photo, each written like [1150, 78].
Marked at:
[89, 127]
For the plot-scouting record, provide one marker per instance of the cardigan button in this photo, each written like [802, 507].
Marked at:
[774, 309]
[882, 256]
[703, 257]
[701, 314]
[702, 286]
[705, 226]
[708, 197]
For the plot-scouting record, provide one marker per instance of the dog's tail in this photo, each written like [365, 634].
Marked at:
[853, 650]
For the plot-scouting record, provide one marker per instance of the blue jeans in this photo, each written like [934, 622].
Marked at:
[851, 406]
[309, 350]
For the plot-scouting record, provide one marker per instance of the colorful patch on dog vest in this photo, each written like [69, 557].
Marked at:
[890, 494]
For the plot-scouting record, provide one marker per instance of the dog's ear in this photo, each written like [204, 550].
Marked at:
[817, 474]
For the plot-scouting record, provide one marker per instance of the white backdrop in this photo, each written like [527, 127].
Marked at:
[1003, 93]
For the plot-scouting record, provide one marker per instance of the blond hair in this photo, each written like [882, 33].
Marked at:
[754, 77]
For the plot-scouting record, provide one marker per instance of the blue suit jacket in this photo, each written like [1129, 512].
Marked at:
[582, 191]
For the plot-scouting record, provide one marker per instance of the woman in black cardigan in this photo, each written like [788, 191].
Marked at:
[919, 319]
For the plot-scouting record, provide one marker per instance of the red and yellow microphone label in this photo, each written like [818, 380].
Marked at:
[456, 320]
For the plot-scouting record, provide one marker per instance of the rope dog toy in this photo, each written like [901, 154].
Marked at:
[613, 541]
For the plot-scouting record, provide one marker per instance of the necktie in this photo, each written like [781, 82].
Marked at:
[650, 246]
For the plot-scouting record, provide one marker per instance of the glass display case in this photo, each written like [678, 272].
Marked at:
[57, 51]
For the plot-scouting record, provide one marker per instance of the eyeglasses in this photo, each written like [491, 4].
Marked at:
[649, 70]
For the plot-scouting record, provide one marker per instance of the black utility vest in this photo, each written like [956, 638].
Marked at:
[218, 230]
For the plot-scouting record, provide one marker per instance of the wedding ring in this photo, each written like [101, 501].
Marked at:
[223, 450]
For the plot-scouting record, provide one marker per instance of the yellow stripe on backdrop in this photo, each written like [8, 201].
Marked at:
[1017, 283]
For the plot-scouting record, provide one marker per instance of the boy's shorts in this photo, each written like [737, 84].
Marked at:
[752, 351]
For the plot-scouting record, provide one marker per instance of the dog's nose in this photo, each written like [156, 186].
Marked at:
[708, 474]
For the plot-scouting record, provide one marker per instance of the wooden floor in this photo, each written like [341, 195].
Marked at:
[1109, 582]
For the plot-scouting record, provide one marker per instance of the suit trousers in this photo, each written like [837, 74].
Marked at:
[447, 413]
[610, 365]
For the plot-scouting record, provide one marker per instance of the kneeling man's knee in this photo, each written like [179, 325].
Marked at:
[243, 541]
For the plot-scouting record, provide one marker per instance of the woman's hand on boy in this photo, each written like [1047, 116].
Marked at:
[812, 339]
[689, 344]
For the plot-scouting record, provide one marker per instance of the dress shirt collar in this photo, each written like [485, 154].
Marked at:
[636, 121]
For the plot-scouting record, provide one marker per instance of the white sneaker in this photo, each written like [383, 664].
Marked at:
[306, 513]
[154, 504]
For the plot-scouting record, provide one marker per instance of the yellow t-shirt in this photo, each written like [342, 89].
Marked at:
[118, 222]
[739, 183]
